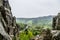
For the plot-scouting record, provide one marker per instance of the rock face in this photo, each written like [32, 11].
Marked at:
[56, 22]
[8, 26]
[56, 27]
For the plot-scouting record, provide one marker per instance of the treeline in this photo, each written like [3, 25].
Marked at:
[31, 31]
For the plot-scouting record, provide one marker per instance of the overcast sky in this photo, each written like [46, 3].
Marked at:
[34, 8]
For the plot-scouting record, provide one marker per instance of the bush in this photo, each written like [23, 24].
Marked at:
[24, 36]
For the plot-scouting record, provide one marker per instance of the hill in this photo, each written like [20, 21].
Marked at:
[45, 20]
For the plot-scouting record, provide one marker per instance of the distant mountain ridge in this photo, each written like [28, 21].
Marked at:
[36, 21]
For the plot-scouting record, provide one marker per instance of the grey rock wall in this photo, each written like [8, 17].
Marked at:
[8, 26]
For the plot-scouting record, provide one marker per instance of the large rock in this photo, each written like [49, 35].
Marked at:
[56, 27]
[56, 22]
[8, 26]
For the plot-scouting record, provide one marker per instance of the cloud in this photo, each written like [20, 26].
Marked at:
[34, 8]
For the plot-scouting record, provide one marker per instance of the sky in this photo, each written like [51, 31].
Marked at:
[34, 8]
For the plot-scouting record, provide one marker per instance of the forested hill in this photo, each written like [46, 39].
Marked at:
[36, 21]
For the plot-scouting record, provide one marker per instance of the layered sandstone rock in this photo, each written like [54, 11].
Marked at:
[56, 22]
[8, 26]
[54, 34]
[56, 27]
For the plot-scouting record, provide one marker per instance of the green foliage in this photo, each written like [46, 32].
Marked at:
[46, 20]
[22, 26]
[14, 38]
[37, 30]
[24, 36]
[34, 29]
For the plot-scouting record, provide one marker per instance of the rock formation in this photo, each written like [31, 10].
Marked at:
[8, 26]
[55, 32]
[56, 27]
[56, 22]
